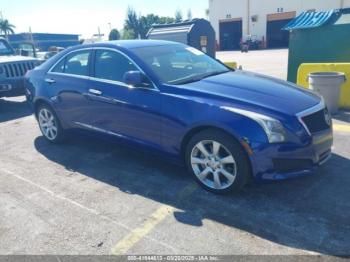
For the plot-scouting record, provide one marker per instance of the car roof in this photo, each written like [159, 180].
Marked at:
[130, 44]
[122, 44]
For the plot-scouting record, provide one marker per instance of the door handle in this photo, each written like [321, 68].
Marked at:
[95, 92]
[50, 81]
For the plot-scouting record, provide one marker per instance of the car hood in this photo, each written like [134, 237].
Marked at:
[248, 88]
[15, 58]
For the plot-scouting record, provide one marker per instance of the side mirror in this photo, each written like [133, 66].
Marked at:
[136, 79]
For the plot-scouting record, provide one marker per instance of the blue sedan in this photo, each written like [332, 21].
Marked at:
[226, 126]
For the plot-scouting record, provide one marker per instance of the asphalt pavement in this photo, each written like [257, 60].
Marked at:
[91, 196]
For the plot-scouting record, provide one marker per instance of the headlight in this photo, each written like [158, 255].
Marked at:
[273, 128]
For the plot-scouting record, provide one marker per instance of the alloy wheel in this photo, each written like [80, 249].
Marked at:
[213, 164]
[48, 124]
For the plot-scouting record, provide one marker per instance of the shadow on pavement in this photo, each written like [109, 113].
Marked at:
[343, 116]
[311, 213]
[13, 109]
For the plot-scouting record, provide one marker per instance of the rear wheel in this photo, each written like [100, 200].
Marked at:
[49, 124]
[217, 162]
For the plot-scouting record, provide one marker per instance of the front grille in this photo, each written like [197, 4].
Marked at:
[291, 165]
[316, 122]
[18, 69]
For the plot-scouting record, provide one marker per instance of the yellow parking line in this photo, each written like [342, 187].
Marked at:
[341, 127]
[152, 221]
[137, 234]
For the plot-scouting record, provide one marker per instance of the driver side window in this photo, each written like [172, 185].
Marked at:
[111, 65]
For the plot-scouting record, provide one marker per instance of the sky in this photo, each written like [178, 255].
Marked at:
[83, 17]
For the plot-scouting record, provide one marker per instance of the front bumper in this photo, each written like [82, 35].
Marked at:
[10, 87]
[284, 161]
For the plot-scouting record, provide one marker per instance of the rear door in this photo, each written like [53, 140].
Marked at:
[67, 84]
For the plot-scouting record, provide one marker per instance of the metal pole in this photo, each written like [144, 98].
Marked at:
[248, 17]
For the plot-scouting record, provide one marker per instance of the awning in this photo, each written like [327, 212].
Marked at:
[310, 20]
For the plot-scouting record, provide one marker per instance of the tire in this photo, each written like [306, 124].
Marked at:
[50, 125]
[223, 172]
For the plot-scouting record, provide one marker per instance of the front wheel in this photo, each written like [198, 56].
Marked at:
[49, 124]
[217, 162]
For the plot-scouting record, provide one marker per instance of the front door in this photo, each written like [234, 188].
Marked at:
[118, 109]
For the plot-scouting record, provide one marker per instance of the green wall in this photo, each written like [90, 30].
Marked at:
[330, 43]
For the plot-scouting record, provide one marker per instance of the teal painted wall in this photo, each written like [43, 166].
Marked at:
[330, 43]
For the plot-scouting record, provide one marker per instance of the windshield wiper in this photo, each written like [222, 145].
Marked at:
[199, 77]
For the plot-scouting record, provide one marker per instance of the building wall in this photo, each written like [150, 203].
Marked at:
[44, 41]
[225, 9]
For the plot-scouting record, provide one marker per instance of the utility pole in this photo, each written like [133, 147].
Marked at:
[1, 16]
[342, 4]
[99, 35]
[31, 35]
[248, 17]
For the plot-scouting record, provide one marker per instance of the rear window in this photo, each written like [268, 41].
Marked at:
[76, 63]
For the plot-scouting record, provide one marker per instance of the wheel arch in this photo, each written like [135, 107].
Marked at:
[195, 130]
[39, 102]
[42, 101]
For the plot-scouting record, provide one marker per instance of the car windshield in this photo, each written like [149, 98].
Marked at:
[178, 64]
[5, 49]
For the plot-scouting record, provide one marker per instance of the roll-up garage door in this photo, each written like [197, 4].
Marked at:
[276, 37]
[230, 34]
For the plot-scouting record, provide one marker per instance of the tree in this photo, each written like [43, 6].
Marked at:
[146, 22]
[114, 35]
[132, 25]
[6, 27]
[166, 20]
[189, 14]
[207, 13]
[138, 26]
[128, 34]
[178, 16]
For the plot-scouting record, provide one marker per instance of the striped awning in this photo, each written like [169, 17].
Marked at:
[310, 20]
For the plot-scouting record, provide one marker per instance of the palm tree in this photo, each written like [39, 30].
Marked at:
[6, 27]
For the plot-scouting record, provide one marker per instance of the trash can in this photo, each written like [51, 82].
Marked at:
[328, 84]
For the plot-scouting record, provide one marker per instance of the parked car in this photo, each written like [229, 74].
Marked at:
[45, 55]
[227, 126]
[13, 68]
[42, 55]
